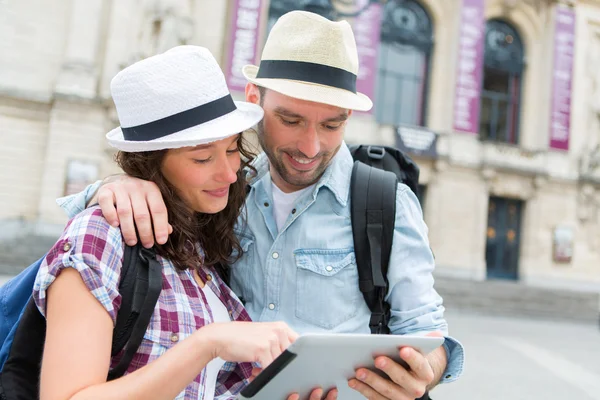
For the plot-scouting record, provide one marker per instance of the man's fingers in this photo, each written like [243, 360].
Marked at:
[106, 200]
[332, 395]
[316, 394]
[368, 391]
[385, 387]
[396, 372]
[143, 220]
[418, 364]
[160, 218]
[125, 214]
[294, 396]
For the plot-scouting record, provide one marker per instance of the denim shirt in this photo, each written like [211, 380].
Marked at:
[306, 274]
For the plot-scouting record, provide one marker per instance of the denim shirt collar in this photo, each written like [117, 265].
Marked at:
[336, 177]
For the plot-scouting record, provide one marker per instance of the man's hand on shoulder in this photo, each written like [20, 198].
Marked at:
[134, 203]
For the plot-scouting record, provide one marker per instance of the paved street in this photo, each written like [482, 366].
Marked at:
[515, 358]
[523, 358]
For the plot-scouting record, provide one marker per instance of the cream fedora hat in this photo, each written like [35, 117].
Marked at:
[309, 57]
[176, 99]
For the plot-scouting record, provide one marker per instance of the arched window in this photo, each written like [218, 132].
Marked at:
[279, 7]
[502, 78]
[404, 57]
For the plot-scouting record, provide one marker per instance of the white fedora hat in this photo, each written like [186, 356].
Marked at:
[176, 99]
[309, 57]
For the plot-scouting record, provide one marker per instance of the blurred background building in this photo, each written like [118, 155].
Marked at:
[498, 101]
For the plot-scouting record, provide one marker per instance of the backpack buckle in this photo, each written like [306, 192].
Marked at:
[376, 152]
[378, 321]
[146, 255]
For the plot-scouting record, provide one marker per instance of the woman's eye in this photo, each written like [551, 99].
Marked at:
[233, 151]
[197, 161]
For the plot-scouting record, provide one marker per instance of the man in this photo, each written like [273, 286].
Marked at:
[298, 262]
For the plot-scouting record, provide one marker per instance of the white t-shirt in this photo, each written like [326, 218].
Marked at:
[283, 203]
[220, 314]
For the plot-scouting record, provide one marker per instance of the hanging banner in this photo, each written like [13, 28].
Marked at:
[470, 67]
[562, 76]
[367, 33]
[243, 41]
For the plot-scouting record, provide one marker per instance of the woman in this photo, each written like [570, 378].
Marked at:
[180, 129]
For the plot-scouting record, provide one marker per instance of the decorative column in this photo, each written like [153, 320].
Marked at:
[75, 139]
[79, 74]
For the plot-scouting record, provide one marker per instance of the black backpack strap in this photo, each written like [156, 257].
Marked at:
[140, 287]
[373, 194]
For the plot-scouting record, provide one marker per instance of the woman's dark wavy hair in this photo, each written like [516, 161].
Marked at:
[212, 232]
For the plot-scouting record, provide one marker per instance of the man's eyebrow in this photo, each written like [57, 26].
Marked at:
[290, 114]
[340, 118]
[287, 113]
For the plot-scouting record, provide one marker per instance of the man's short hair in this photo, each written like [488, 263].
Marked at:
[263, 91]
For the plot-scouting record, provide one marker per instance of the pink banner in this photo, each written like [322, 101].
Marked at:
[367, 33]
[470, 67]
[564, 38]
[243, 41]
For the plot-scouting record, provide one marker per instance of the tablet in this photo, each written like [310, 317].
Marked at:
[328, 360]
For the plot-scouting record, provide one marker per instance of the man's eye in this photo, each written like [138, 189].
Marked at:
[289, 123]
[332, 127]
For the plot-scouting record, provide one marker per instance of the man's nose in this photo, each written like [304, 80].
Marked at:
[309, 144]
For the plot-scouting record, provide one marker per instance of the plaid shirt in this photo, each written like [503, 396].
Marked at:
[95, 249]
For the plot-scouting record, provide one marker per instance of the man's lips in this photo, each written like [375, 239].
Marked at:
[300, 166]
[218, 192]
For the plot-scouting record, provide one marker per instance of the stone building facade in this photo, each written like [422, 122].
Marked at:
[498, 101]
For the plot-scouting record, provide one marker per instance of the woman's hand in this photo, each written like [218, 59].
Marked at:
[258, 342]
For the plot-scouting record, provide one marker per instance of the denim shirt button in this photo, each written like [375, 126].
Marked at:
[276, 255]
[271, 306]
[329, 268]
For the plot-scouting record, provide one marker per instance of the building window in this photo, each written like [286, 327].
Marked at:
[502, 78]
[277, 8]
[404, 58]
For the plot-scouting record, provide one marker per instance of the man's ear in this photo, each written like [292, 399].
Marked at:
[252, 93]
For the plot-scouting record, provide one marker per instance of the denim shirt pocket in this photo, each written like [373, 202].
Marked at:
[327, 292]
[242, 269]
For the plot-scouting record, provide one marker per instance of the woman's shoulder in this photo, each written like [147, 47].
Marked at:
[90, 225]
[94, 248]
[89, 237]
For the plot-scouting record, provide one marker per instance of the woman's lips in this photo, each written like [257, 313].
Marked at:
[219, 192]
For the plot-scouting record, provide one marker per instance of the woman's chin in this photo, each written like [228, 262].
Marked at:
[212, 207]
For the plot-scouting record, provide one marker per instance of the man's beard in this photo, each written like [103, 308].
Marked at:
[300, 180]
